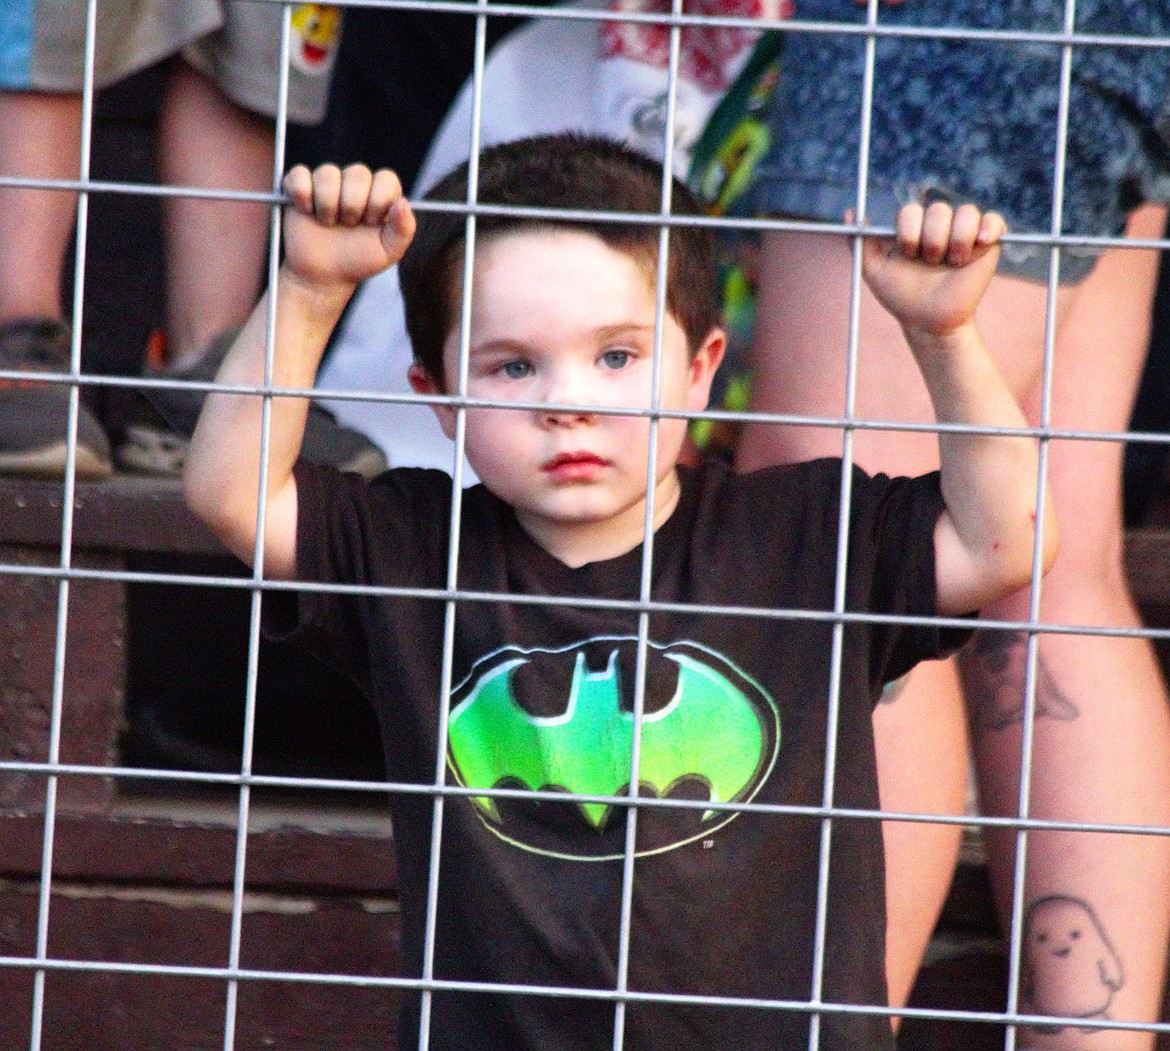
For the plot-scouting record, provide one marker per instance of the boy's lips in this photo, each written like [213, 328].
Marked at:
[573, 466]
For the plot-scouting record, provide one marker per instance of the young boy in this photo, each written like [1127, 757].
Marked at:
[544, 696]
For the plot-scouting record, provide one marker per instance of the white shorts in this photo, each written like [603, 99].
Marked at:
[235, 42]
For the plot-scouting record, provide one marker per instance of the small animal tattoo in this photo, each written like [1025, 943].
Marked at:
[1071, 969]
[994, 667]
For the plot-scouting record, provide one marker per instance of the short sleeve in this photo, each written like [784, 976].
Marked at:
[893, 565]
[391, 531]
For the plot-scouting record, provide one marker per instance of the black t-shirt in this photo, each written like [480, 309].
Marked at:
[737, 707]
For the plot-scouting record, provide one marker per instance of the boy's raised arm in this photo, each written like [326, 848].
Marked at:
[931, 277]
[341, 227]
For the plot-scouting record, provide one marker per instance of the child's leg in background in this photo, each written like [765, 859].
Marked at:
[215, 248]
[41, 139]
[40, 114]
[217, 132]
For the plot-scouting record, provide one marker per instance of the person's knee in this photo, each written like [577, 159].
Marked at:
[1093, 567]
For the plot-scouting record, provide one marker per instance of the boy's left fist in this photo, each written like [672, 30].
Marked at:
[939, 233]
[934, 271]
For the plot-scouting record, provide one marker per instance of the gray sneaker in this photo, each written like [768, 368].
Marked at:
[161, 421]
[34, 414]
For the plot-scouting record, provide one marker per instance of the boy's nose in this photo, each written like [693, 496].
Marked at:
[569, 402]
[555, 416]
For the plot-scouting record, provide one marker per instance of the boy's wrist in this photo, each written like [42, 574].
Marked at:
[327, 297]
[931, 343]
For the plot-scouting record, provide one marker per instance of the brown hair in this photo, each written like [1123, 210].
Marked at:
[564, 171]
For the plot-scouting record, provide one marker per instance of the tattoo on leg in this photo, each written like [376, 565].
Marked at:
[993, 667]
[1070, 966]
[892, 690]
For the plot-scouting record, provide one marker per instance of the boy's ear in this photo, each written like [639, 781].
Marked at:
[422, 382]
[704, 364]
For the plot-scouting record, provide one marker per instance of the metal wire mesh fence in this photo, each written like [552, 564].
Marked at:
[100, 842]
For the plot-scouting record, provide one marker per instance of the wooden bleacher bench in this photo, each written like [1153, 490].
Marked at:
[146, 878]
[128, 515]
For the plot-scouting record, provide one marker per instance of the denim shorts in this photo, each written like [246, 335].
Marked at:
[975, 119]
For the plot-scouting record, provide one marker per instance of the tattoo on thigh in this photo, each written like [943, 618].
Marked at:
[1071, 969]
[892, 690]
[994, 666]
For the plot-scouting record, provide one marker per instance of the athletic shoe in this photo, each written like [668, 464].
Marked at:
[161, 421]
[34, 414]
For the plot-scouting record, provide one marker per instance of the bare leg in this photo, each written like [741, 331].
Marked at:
[799, 367]
[1101, 750]
[41, 139]
[215, 249]
[922, 729]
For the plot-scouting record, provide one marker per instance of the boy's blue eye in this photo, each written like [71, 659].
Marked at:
[516, 370]
[615, 359]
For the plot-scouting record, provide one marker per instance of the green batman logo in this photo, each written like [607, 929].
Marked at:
[708, 731]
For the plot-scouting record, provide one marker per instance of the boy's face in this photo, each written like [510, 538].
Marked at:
[561, 319]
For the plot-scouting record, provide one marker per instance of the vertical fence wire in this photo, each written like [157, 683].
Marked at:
[56, 713]
[434, 876]
[244, 804]
[645, 584]
[1015, 934]
[841, 579]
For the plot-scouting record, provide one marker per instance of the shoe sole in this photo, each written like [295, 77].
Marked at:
[146, 450]
[50, 461]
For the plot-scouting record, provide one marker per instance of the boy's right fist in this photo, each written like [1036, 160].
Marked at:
[344, 225]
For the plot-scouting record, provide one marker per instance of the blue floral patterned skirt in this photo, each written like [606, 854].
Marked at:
[977, 119]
